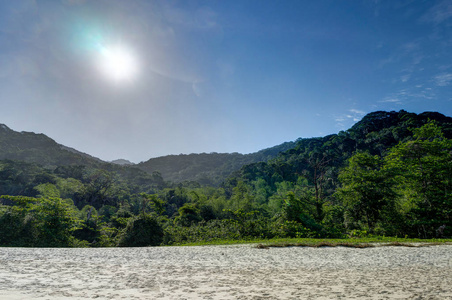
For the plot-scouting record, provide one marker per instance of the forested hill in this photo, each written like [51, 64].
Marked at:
[207, 168]
[40, 149]
[320, 159]
[376, 132]
[28, 159]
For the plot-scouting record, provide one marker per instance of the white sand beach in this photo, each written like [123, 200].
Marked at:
[227, 272]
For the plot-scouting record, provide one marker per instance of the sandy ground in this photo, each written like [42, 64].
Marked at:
[227, 272]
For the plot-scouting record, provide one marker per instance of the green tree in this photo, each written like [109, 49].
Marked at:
[39, 222]
[47, 190]
[424, 171]
[17, 228]
[157, 204]
[367, 190]
[55, 222]
[100, 189]
[318, 165]
[294, 209]
[241, 198]
[189, 214]
[141, 231]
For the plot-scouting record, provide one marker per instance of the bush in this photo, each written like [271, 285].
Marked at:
[141, 231]
[291, 229]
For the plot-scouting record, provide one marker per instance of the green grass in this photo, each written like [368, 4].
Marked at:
[348, 242]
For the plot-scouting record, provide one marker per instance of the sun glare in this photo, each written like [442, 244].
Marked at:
[118, 63]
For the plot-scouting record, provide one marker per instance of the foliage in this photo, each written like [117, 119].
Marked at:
[43, 222]
[188, 214]
[367, 190]
[390, 174]
[424, 170]
[143, 230]
[206, 168]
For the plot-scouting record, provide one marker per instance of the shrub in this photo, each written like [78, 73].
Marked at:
[141, 231]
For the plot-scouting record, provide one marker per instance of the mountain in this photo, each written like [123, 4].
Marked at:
[375, 133]
[122, 162]
[22, 150]
[40, 149]
[207, 168]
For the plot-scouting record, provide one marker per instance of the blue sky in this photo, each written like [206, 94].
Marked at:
[216, 76]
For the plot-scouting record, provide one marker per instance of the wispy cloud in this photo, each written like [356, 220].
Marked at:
[391, 100]
[405, 78]
[356, 111]
[444, 79]
[344, 121]
[438, 13]
[409, 57]
[409, 94]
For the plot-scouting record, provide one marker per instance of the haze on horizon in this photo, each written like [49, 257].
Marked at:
[139, 79]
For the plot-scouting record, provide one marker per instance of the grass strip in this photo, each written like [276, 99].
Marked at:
[368, 242]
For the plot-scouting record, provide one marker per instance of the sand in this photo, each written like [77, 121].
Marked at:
[227, 272]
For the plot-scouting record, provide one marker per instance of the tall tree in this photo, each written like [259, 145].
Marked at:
[366, 190]
[424, 170]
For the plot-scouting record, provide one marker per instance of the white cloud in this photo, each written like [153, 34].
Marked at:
[390, 100]
[359, 112]
[438, 13]
[405, 78]
[411, 46]
[444, 79]
[410, 94]
[347, 119]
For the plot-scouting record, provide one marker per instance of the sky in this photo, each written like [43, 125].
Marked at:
[139, 79]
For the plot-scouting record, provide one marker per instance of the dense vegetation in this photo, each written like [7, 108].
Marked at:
[390, 174]
[207, 168]
[38, 148]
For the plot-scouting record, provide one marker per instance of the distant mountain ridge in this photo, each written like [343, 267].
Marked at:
[207, 168]
[122, 162]
[375, 133]
[27, 151]
[40, 149]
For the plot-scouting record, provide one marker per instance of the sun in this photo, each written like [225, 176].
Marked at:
[118, 63]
